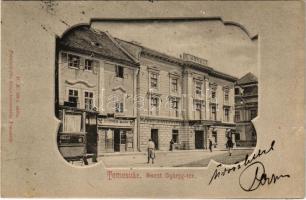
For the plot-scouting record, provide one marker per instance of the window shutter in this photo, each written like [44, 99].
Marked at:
[96, 65]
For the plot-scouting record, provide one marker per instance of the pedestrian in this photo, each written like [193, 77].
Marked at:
[151, 152]
[171, 145]
[210, 145]
[85, 161]
[229, 145]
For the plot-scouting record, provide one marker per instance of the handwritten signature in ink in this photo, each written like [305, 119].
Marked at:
[260, 177]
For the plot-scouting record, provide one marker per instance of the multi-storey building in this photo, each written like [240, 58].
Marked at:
[95, 86]
[246, 106]
[121, 94]
[183, 100]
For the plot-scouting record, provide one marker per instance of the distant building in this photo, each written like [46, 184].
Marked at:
[246, 109]
[119, 94]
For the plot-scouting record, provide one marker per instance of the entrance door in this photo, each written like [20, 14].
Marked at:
[154, 137]
[116, 140]
[91, 138]
[199, 139]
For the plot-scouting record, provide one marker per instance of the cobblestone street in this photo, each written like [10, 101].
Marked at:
[174, 159]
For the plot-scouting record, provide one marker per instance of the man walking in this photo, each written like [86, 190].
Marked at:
[229, 145]
[171, 145]
[210, 145]
[151, 153]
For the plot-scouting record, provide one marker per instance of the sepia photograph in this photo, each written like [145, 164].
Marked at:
[152, 99]
[143, 94]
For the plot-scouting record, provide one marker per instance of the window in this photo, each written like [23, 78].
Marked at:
[154, 80]
[174, 85]
[198, 87]
[154, 105]
[253, 114]
[119, 107]
[175, 136]
[213, 113]
[88, 99]
[174, 106]
[88, 64]
[249, 91]
[119, 71]
[73, 61]
[154, 102]
[226, 96]
[213, 94]
[123, 137]
[237, 115]
[237, 92]
[226, 114]
[198, 106]
[73, 97]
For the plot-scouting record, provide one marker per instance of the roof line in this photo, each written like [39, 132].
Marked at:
[121, 48]
[151, 52]
[224, 75]
[97, 54]
[146, 49]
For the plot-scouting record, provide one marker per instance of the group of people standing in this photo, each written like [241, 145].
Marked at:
[229, 145]
[151, 148]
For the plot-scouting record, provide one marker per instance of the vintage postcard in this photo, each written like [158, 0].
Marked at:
[152, 99]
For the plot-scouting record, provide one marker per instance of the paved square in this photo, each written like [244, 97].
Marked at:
[174, 159]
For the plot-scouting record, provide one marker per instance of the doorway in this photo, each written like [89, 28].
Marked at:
[199, 140]
[91, 139]
[116, 140]
[154, 137]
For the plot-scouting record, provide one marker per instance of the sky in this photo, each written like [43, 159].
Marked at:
[227, 48]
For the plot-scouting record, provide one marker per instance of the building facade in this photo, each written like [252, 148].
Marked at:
[96, 86]
[184, 100]
[120, 94]
[246, 109]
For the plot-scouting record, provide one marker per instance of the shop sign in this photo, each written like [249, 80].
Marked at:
[195, 59]
[114, 122]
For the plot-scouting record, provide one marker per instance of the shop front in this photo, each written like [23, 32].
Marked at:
[115, 135]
